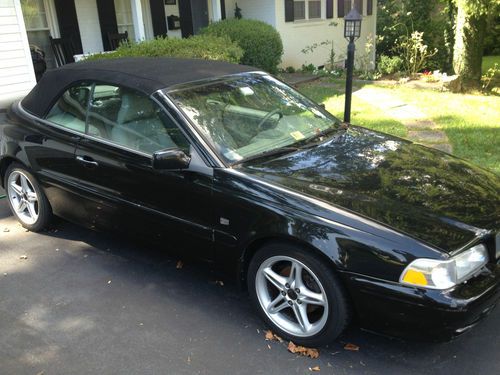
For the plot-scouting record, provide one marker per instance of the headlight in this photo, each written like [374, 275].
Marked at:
[437, 274]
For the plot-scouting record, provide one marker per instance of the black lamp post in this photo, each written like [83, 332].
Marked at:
[352, 30]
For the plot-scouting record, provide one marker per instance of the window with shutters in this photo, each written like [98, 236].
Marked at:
[306, 9]
[314, 7]
[344, 6]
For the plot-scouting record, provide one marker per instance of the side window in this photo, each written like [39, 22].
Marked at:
[131, 119]
[70, 109]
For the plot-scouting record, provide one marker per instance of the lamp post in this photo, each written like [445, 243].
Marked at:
[352, 30]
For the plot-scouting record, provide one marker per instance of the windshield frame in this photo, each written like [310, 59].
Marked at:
[225, 78]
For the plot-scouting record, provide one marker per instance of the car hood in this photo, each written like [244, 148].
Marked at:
[427, 194]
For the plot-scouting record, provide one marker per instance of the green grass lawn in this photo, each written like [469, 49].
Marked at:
[362, 113]
[489, 62]
[471, 122]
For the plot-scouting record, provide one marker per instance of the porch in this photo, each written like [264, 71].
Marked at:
[89, 23]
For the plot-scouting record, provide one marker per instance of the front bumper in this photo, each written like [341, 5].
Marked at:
[434, 315]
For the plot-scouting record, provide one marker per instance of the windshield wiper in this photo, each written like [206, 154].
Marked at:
[306, 143]
[266, 154]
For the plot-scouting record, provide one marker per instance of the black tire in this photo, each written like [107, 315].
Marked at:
[44, 209]
[339, 314]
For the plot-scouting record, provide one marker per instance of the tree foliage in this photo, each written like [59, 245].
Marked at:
[398, 19]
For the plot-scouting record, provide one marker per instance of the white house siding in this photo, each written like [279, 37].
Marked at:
[88, 22]
[16, 69]
[299, 34]
[263, 10]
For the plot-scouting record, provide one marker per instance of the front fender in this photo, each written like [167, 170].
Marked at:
[249, 213]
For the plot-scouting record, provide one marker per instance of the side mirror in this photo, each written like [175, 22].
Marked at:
[170, 159]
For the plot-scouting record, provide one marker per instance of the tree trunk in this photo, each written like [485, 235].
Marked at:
[468, 50]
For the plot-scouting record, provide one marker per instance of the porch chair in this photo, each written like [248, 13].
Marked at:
[116, 38]
[63, 49]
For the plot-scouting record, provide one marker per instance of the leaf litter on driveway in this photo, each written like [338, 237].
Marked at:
[292, 348]
[351, 347]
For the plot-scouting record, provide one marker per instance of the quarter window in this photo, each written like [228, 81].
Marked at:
[131, 119]
[70, 109]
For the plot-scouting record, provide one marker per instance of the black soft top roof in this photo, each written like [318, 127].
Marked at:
[145, 74]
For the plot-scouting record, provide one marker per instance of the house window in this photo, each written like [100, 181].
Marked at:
[314, 9]
[299, 10]
[306, 10]
[124, 20]
[369, 7]
[344, 6]
[36, 21]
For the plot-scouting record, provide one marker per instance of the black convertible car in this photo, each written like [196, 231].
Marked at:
[324, 222]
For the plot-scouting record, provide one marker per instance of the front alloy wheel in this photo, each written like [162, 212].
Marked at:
[297, 293]
[291, 296]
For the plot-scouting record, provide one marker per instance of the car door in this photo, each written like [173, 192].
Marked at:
[124, 129]
[51, 147]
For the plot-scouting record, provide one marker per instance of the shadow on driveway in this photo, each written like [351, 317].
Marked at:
[85, 302]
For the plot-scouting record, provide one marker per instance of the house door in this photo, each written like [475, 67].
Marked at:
[107, 21]
[200, 14]
[68, 23]
[194, 16]
[158, 18]
[115, 16]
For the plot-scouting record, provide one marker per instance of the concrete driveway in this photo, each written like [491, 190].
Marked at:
[90, 303]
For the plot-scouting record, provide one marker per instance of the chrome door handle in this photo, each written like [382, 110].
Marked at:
[87, 161]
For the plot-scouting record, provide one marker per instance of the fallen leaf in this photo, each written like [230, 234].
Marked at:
[269, 335]
[315, 368]
[179, 264]
[351, 347]
[269, 346]
[302, 350]
[23, 257]
[219, 282]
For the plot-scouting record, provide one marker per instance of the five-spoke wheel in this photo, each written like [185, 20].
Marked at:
[27, 201]
[297, 294]
[291, 295]
[23, 197]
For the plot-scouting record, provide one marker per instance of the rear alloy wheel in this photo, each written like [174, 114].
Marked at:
[27, 201]
[297, 294]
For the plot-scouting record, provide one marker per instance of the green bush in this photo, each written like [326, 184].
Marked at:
[260, 42]
[197, 47]
[389, 65]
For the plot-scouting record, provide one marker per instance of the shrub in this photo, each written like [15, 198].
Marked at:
[261, 43]
[205, 47]
[414, 52]
[389, 65]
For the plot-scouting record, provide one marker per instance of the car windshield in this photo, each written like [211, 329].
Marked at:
[245, 116]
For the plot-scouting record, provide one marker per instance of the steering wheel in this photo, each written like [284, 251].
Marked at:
[268, 116]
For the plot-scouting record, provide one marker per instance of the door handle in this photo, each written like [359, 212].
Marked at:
[87, 161]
